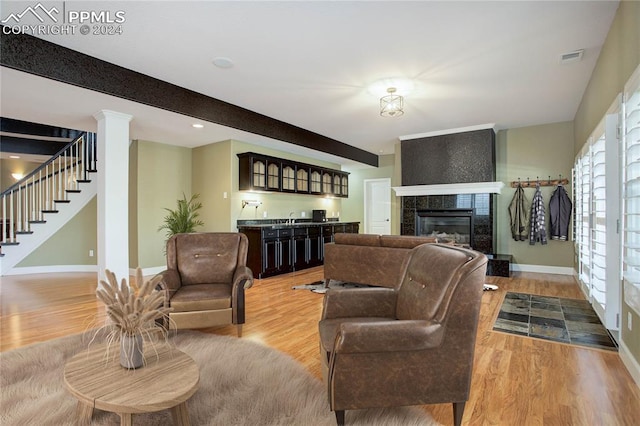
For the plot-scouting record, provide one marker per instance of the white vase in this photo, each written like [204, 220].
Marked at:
[131, 354]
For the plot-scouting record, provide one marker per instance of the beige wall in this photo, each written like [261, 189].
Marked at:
[619, 58]
[163, 176]
[211, 177]
[8, 166]
[353, 207]
[71, 244]
[529, 152]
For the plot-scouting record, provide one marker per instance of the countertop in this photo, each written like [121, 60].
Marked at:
[291, 225]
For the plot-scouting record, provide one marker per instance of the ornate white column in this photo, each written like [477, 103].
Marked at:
[113, 193]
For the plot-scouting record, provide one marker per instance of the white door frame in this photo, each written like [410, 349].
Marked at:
[367, 202]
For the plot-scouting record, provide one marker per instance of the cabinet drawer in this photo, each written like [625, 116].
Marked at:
[300, 231]
[269, 233]
[284, 232]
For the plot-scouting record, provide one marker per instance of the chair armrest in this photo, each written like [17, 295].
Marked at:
[244, 276]
[388, 336]
[170, 280]
[359, 302]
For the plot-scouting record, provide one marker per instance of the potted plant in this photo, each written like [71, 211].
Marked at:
[184, 219]
[133, 313]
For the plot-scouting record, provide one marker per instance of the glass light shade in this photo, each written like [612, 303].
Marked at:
[391, 105]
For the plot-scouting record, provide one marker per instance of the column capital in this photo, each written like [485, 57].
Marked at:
[105, 113]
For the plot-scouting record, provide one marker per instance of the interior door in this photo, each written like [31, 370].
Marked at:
[377, 216]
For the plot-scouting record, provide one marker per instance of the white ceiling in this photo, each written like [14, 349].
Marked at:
[312, 64]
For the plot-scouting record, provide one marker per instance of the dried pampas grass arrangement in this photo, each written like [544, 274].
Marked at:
[130, 311]
[133, 311]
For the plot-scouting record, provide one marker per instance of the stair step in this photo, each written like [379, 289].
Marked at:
[61, 201]
[83, 180]
[72, 191]
[24, 232]
[9, 244]
[37, 221]
[49, 211]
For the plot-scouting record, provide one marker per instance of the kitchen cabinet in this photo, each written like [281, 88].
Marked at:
[279, 248]
[259, 172]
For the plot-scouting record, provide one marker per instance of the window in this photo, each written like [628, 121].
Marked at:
[598, 243]
[631, 192]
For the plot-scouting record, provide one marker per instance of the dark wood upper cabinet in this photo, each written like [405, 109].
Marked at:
[264, 173]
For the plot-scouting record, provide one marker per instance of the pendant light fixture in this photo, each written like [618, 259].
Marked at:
[391, 105]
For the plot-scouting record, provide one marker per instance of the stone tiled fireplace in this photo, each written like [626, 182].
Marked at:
[448, 186]
[463, 218]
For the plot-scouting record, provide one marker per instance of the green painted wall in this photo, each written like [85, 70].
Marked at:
[71, 244]
[529, 152]
[164, 174]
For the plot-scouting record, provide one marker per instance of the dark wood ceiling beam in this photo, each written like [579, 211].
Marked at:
[40, 57]
[10, 125]
[18, 145]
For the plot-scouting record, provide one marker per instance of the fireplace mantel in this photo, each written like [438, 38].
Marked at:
[450, 189]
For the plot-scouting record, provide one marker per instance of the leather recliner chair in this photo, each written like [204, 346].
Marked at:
[205, 279]
[414, 345]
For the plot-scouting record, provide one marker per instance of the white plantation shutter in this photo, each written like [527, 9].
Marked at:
[631, 191]
[597, 214]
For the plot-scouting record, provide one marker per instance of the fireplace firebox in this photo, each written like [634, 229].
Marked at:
[451, 214]
[454, 225]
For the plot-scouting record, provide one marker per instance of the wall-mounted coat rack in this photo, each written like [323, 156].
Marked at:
[531, 183]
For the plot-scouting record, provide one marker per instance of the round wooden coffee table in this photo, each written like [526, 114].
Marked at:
[167, 381]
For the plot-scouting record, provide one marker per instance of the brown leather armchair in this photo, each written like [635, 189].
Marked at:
[205, 279]
[414, 345]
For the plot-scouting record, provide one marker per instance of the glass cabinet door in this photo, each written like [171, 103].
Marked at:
[316, 182]
[327, 183]
[259, 173]
[344, 182]
[288, 178]
[302, 180]
[273, 176]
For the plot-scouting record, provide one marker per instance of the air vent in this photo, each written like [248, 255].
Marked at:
[574, 56]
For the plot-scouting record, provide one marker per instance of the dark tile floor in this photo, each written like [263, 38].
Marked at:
[570, 321]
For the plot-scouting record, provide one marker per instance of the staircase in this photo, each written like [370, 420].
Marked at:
[38, 205]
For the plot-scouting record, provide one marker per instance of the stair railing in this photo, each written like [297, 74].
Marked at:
[26, 202]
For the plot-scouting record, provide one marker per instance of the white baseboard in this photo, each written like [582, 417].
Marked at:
[543, 269]
[149, 271]
[630, 362]
[52, 269]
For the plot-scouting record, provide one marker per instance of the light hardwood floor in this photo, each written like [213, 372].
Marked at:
[516, 380]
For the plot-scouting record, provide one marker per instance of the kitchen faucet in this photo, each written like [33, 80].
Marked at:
[291, 220]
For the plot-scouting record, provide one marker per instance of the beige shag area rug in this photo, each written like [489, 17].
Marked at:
[241, 383]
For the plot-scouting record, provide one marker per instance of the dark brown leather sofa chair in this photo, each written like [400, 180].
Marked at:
[384, 347]
[205, 279]
[371, 259]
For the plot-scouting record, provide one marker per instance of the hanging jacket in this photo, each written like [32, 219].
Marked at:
[519, 215]
[559, 214]
[537, 230]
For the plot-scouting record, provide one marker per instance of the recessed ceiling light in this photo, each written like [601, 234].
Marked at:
[14, 156]
[197, 125]
[222, 62]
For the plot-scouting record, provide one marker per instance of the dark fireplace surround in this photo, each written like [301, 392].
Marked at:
[453, 158]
